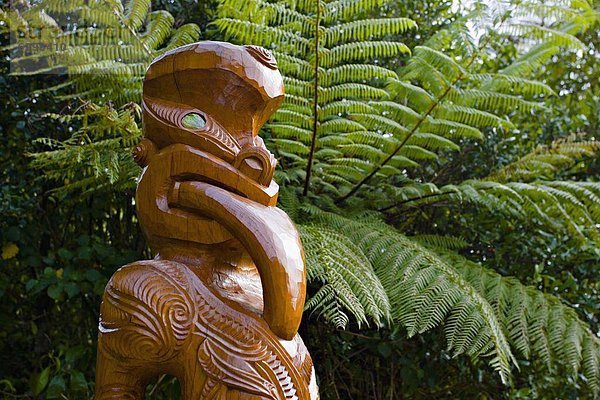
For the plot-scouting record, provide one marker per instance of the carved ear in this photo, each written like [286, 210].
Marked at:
[143, 152]
[257, 163]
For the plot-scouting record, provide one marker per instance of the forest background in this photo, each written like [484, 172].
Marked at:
[439, 158]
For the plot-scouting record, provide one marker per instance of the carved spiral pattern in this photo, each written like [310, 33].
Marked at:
[147, 313]
[239, 357]
[152, 309]
[143, 152]
[263, 56]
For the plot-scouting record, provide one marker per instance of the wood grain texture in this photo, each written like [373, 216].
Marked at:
[220, 304]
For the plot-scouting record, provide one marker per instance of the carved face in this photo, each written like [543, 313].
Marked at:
[215, 97]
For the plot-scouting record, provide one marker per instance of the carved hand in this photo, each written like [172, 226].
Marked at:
[209, 177]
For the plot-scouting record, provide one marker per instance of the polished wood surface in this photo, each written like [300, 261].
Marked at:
[220, 304]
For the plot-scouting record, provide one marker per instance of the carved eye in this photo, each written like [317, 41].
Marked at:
[193, 121]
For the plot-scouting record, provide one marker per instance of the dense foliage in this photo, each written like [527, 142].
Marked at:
[440, 162]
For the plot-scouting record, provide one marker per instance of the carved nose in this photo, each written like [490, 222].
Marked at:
[256, 163]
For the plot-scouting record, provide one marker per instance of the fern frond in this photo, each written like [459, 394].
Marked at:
[256, 33]
[397, 112]
[414, 96]
[378, 140]
[432, 141]
[470, 116]
[424, 291]
[451, 129]
[93, 156]
[351, 91]
[135, 13]
[359, 73]
[529, 62]
[106, 51]
[380, 123]
[345, 10]
[547, 161]
[343, 107]
[367, 29]
[449, 68]
[441, 242]
[334, 260]
[291, 146]
[513, 84]
[362, 51]
[539, 325]
[336, 125]
[428, 287]
[547, 35]
[292, 117]
[562, 207]
[492, 101]
[293, 66]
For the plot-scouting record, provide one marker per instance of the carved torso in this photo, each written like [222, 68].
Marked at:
[220, 305]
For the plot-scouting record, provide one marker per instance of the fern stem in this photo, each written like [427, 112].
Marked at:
[313, 143]
[427, 196]
[416, 198]
[420, 121]
[401, 145]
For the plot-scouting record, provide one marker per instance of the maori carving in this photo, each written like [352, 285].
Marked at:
[220, 304]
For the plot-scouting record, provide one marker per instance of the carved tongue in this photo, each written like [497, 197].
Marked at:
[272, 241]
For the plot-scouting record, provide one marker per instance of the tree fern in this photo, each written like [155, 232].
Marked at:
[92, 159]
[483, 313]
[348, 280]
[327, 57]
[538, 325]
[560, 206]
[104, 46]
[547, 161]
[107, 47]
[347, 122]
[452, 100]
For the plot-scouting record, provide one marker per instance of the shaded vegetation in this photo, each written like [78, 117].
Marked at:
[441, 164]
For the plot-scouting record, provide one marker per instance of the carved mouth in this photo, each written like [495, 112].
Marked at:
[197, 165]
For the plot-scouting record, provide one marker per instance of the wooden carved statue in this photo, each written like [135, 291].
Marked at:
[220, 305]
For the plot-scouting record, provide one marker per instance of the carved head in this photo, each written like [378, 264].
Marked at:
[208, 177]
[214, 96]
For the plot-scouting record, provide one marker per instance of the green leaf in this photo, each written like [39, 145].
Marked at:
[54, 291]
[40, 381]
[78, 382]
[92, 275]
[72, 289]
[56, 388]
[64, 254]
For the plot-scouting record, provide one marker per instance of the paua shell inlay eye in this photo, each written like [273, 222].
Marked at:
[193, 121]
